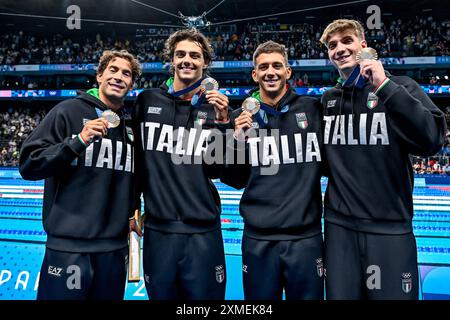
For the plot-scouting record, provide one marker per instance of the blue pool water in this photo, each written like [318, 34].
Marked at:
[22, 238]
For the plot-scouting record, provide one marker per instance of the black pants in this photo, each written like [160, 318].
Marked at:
[184, 266]
[362, 265]
[293, 265]
[83, 276]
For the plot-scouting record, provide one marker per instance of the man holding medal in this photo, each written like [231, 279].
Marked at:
[183, 253]
[84, 151]
[373, 121]
[282, 202]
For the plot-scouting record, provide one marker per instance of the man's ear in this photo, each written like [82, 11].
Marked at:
[289, 73]
[99, 78]
[364, 44]
[254, 77]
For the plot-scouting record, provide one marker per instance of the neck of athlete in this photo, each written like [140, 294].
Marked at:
[112, 104]
[272, 99]
[180, 84]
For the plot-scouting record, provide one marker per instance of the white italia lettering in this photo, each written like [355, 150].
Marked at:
[105, 155]
[350, 139]
[89, 155]
[180, 141]
[344, 127]
[270, 153]
[129, 160]
[339, 130]
[151, 134]
[165, 139]
[142, 135]
[326, 134]
[117, 165]
[285, 150]
[362, 128]
[298, 147]
[379, 121]
[253, 142]
[312, 147]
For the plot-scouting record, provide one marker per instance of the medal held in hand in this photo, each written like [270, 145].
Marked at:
[366, 54]
[112, 118]
[209, 84]
[251, 105]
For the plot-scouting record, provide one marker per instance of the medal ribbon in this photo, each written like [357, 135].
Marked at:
[196, 100]
[261, 115]
[355, 79]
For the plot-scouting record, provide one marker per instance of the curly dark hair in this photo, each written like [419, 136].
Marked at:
[109, 55]
[193, 35]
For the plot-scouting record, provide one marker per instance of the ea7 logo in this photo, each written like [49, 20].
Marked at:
[331, 103]
[54, 271]
[154, 110]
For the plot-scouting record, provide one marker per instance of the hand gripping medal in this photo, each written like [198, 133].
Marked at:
[366, 54]
[209, 84]
[112, 118]
[251, 105]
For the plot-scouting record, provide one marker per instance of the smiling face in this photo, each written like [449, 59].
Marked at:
[188, 61]
[116, 80]
[342, 50]
[271, 73]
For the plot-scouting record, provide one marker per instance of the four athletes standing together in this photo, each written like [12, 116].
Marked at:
[360, 136]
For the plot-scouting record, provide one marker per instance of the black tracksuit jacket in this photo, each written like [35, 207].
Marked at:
[89, 191]
[287, 203]
[179, 196]
[368, 139]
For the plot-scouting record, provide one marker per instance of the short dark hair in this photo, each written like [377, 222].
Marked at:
[271, 47]
[109, 55]
[193, 35]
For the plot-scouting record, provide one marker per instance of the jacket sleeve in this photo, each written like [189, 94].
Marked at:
[418, 122]
[50, 148]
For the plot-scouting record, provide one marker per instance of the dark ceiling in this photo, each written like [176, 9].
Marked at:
[131, 11]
